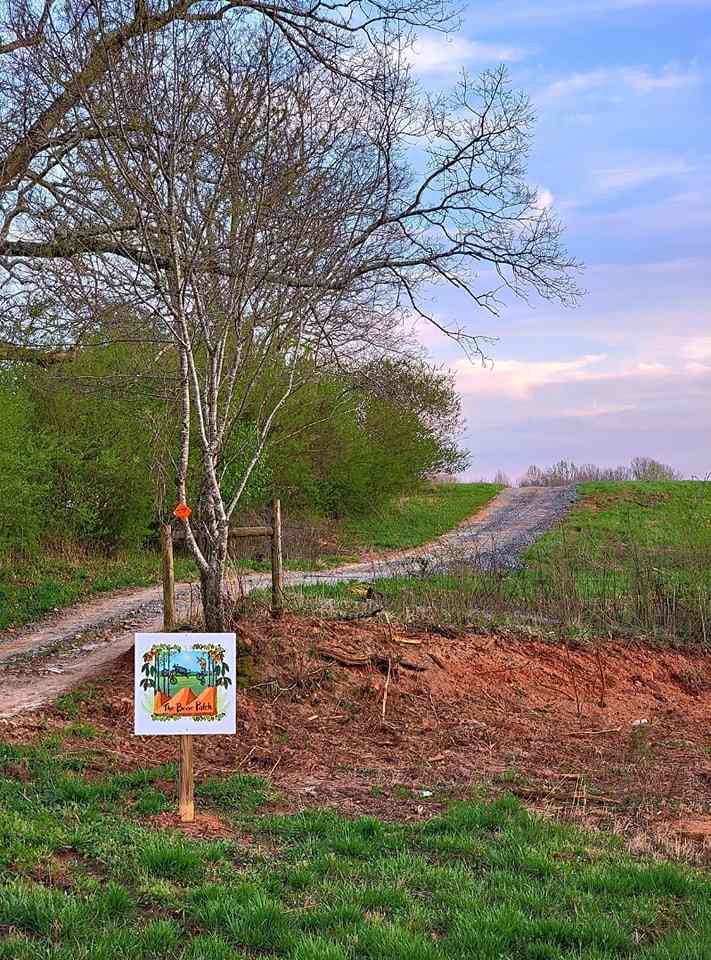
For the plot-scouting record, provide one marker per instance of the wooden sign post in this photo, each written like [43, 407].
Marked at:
[166, 550]
[186, 786]
[182, 681]
[277, 563]
[184, 687]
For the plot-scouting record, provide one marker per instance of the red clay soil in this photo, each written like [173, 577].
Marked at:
[390, 721]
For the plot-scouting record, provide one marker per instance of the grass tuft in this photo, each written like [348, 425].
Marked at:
[239, 793]
[172, 858]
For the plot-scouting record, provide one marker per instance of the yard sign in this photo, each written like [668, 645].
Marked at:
[185, 684]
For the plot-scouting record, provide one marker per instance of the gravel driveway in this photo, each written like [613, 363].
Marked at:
[494, 539]
[76, 643]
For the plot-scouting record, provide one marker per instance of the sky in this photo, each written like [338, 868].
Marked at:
[622, 151]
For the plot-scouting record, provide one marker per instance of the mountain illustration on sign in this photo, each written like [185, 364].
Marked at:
[185, 680]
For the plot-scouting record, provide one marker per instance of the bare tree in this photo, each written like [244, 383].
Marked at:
[646, 468]
[565, 471]
[255, 216]
[54, 52]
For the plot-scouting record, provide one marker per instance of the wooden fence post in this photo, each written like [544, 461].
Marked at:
[166, 547]
[186, 803]
[277, 569]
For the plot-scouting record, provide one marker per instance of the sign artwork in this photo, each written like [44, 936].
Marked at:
[184, 683]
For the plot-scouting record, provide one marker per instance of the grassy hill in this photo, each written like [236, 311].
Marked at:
[420, 517]
[615, 529]
[632, 554]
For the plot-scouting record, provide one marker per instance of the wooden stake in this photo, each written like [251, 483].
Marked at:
[166, 547]
[186, 803]
[387, 684]
[277, 567]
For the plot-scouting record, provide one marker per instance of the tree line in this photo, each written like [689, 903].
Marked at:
[566, 471]
[85, 455]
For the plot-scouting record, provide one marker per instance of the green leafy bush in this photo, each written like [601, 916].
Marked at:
[24, 499]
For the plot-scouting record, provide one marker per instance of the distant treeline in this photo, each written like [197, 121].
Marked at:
[566, 471]
[86, 451]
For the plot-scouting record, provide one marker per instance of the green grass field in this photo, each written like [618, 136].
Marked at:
[29, 589]
[84, 875]
[616, 529]
[632, 555]
[416, 519]
[629, 559]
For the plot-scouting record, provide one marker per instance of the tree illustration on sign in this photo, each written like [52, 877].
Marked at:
[184, 681]
[214, 664]
[157, 667]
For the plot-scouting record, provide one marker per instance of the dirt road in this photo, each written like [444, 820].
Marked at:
[495, 538]
[46, 659]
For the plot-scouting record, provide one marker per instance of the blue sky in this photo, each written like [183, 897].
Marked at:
[188, 659]
[622, 150]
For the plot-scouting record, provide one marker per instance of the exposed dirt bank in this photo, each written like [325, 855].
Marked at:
[614, 735]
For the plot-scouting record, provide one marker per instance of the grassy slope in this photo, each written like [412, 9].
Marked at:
[635, 556]
[29, 589]
[631, 557]
[616, 528]
[416, 519]
[84, 876]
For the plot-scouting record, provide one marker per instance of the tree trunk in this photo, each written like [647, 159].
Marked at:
[166, 544]
[213, 599]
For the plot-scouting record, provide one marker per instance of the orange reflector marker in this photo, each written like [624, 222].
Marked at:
[182, 511]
